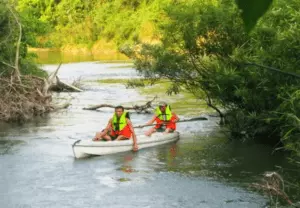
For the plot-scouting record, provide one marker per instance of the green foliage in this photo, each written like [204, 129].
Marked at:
[252, 10]
[86, 22]
[9, 33]
[205, 49]
[32, 26]
[288, 115]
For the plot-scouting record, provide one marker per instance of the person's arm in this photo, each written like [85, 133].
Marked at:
[135, 146]
[175, 118]
[151, 121]
[108, 126]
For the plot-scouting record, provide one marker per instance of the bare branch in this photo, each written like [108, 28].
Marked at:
[68, 87]
[53, 75]
[274, 69]
[7, 64]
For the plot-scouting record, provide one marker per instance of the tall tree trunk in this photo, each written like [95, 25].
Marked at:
[17, 73]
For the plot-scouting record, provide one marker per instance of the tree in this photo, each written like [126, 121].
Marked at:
[205, 49]
[12, 16]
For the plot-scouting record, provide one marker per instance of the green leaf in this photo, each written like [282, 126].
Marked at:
[252, 10]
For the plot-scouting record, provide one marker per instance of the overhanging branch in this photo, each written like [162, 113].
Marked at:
[273, 69]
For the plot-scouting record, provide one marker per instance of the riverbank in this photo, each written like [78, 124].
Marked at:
[101, 51]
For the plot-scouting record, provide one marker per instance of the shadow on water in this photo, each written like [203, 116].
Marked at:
[18, 129]
[9, 146]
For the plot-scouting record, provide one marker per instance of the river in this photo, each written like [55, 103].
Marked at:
[203, 169]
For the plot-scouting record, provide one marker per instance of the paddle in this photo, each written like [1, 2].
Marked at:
[183, 120]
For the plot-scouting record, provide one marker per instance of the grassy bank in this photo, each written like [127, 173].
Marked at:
[76, 54]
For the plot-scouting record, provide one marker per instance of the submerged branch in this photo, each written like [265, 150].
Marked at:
[210, 104]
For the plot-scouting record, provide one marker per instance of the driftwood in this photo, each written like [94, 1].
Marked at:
[23, 97]
[63, 87]
[146, 108]
[53, 83]
[60, 106]
[21, 101]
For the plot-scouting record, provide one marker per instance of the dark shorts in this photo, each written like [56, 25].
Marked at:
[115, 137]
[163, 129]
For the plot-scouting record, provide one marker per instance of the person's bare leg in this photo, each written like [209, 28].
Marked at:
[150, 131]
[98, 136]
[101, 136]
[168, 130]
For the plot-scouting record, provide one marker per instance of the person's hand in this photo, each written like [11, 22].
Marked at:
[135, 147]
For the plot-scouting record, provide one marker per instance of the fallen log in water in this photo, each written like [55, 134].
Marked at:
[53, 83]
[146, 108]
[64, 87]
[60, 106]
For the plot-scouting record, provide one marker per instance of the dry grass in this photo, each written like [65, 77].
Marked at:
[273, 186]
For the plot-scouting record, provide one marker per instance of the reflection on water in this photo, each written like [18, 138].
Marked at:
[56, 56]
[9, 146]
[201, 170]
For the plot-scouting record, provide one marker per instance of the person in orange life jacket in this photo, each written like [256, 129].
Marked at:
[119, 127]
[165, 120]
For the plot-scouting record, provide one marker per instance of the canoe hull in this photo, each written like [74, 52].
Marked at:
[86, 148]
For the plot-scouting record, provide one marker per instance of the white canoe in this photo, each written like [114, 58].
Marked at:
[86, 148]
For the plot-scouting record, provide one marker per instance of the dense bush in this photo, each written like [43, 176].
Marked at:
[205, 49]
[9, 34]
[86, 22]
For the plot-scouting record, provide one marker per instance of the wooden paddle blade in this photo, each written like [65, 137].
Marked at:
[197, 119]
[141, 126]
